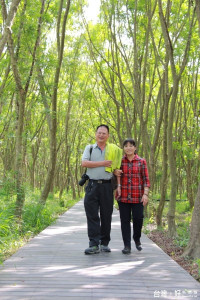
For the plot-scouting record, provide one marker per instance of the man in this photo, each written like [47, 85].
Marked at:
[98, 199]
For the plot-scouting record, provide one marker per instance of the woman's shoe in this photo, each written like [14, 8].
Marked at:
[138, 246]
[126, 250]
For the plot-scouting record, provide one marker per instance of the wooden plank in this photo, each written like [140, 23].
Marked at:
[53, 266]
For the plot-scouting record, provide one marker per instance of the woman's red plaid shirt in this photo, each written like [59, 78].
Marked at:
[133, 179]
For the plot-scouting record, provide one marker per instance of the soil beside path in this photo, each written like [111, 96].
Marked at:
[168, 245]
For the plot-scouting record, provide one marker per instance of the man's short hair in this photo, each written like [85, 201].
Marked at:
[103, 125]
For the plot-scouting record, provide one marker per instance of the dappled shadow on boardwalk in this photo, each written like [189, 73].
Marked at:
[53, 265]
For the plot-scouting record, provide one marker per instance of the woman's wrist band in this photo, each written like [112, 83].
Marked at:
[146, 195]
[119, 184]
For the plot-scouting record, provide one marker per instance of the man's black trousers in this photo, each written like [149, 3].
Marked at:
[98, 204]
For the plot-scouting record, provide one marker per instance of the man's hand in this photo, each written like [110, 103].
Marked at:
[107, 163]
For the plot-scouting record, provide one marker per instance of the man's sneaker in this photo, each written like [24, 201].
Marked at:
[138, 246]
[126, 250]
[92, 250]
[105, 248]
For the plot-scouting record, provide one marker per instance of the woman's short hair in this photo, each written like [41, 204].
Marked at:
[129, 140]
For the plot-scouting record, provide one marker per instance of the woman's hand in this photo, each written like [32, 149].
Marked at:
[145, 199]
[118, 193]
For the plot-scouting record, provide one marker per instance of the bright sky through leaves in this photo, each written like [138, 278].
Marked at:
[92, 10]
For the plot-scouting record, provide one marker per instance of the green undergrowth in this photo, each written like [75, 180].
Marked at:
[15, 233]
[183, 217]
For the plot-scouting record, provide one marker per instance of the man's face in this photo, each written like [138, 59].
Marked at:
[102, 135]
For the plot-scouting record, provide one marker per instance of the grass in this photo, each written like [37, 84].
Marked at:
[35, 218]
[197, 261]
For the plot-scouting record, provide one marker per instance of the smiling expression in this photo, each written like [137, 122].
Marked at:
[102, 135]
[129, 149]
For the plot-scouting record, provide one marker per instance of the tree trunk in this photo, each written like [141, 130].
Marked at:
[198, 13]
[19, 131]
[22, 92]
[172, 165]
[8, 21]
[176, 78]
[193, 247]
[164, 180]
[53, 119]
[189, 183]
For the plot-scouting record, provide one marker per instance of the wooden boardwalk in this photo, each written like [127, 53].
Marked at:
[53, 266]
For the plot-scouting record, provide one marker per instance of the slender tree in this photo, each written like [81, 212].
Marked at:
[176, 76]
[193, 247]
[21, 99]
[8, 21]
[61, 29]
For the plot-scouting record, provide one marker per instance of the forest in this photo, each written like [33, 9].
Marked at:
[135, 68]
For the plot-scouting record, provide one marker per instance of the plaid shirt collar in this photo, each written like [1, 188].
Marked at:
[136, 157]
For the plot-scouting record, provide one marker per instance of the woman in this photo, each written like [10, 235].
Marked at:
[132, 194]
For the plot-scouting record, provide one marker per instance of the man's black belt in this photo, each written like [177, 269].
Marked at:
[100, 181]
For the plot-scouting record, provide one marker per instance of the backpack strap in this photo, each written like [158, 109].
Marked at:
[91, 148]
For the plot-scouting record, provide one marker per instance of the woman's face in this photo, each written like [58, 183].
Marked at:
[129, 149]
